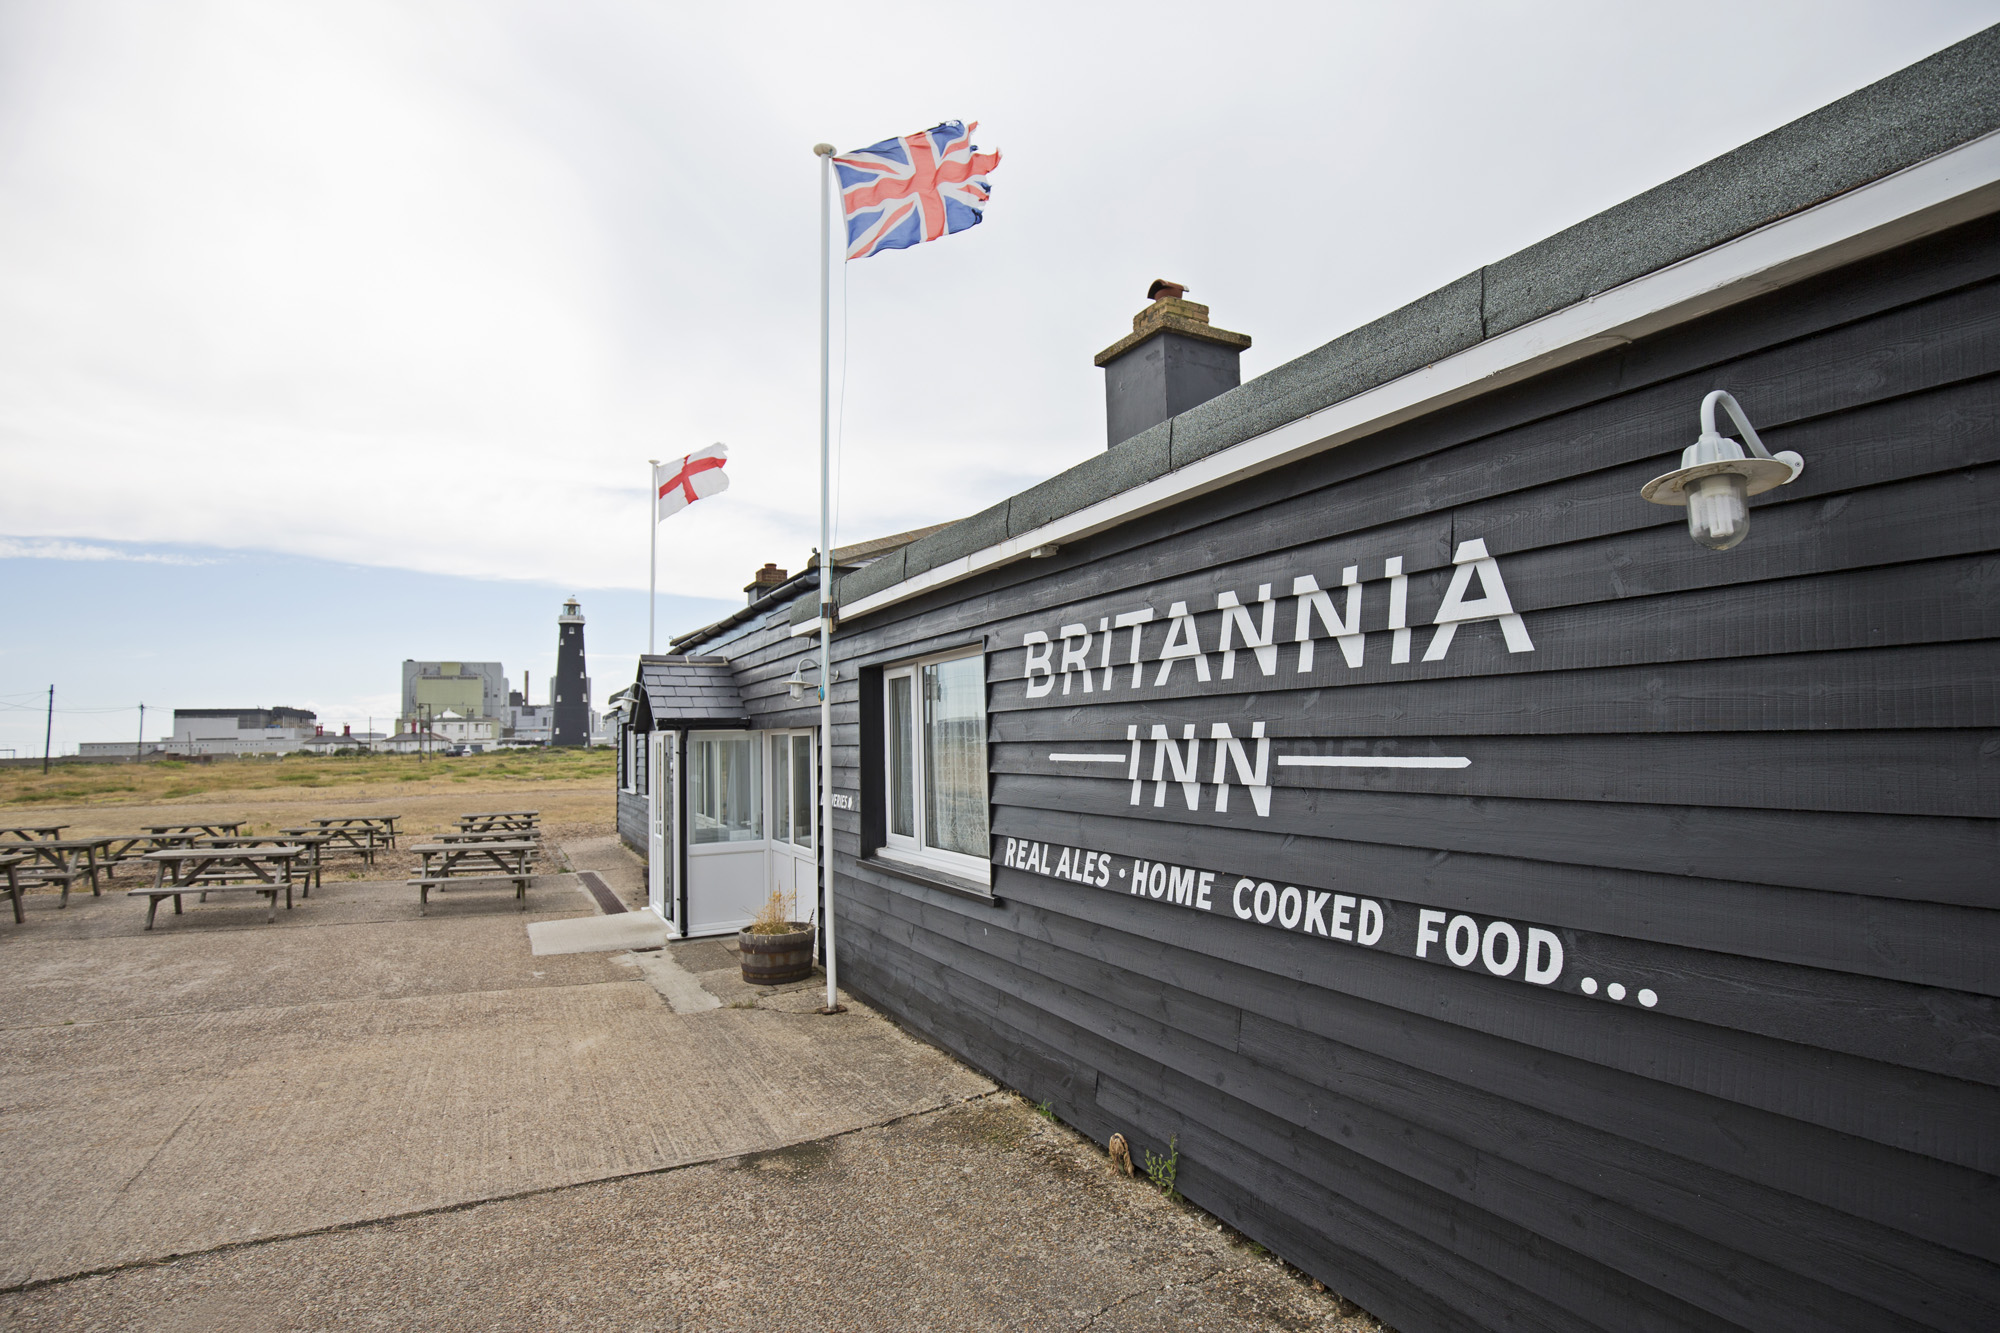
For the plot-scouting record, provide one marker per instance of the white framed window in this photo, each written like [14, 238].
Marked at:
[725, 786]
[792, 789]
[934, 757]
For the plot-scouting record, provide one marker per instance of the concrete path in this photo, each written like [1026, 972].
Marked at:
[598, 934]
[359, 1117]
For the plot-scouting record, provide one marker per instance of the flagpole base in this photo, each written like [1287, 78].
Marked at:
[831, 1009]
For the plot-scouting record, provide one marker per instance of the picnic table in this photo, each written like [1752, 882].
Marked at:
[359, 837]
[314, 843]
[472, 862]
[486, 821]
[10, 867]
[383, 824]
[31, 832]
[533, 835]
[48, 860]
[221, 829]
[131, 846]
[206, 870]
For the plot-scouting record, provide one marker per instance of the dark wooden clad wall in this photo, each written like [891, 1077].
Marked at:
[1761, 785]
[632, 821]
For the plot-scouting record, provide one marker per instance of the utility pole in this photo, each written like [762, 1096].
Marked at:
[49, 732]
[139, 751]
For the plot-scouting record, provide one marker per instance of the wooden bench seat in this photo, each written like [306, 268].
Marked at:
[425, 883]
[154, 893]
[34, 877]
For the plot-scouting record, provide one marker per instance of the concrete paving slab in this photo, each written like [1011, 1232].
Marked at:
[363, 1118]
[979, 1217]
[597, 934]
[609, 857]
[680, 988]
[96, 979]
[143, 1137]
[336, 902]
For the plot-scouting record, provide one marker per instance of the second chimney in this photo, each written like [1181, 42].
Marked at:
[765, 579]
[1172, 360]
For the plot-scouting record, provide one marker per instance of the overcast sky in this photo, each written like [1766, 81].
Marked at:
[421, 286]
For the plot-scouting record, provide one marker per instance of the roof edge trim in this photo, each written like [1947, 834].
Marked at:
[1954, 186]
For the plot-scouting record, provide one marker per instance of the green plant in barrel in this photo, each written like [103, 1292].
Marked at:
[774, 949]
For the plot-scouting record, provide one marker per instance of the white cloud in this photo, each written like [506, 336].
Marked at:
[424, 286]
[42, 548]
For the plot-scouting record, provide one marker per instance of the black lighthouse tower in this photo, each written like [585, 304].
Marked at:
[570, 694]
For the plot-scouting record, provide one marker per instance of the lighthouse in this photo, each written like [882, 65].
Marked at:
[570, 692]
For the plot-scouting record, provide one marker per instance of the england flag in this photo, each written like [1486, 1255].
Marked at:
[700, 474]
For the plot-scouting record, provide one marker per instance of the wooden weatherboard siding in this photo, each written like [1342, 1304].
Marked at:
[1755, 789]
[632, 821]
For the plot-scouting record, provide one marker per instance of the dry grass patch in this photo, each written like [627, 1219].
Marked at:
[569, 787]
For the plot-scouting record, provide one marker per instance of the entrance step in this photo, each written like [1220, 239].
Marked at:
[597, 934]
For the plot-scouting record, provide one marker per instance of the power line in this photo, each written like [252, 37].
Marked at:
[37, 708]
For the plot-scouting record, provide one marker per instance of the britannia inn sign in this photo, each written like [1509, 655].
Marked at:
[1512, 794]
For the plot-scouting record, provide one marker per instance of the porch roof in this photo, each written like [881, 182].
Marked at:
[686, 692]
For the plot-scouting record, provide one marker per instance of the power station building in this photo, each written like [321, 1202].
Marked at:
[468, 689]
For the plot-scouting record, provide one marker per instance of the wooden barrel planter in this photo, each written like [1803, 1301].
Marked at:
[773, 960]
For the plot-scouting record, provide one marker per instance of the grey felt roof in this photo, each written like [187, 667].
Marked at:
[860, 553]
[692, 692]
[1918, 112]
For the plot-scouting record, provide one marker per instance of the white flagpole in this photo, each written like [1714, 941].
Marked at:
[653, 559]
[833, 1006]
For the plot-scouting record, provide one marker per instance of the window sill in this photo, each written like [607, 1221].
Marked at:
[888, 863]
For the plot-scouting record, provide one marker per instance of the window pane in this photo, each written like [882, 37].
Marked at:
[781, 786]
[805, 807]
[955, 756]
[902, 788]
[725, 790]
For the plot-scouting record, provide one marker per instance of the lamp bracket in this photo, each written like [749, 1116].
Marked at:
[1716, 453]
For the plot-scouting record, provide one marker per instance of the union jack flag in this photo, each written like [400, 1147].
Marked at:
[916, 188]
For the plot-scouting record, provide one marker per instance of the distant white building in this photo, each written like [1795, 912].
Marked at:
[412, 742]
[478, 732]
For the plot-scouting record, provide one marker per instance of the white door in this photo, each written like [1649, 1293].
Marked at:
[660, 857]
[794, 810]
[726, 839]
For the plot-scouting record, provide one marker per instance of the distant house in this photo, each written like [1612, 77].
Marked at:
[477, 732]
[413, 742]
[330, 743]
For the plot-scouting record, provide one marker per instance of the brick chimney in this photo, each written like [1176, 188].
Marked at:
[765, 579]
[1172, 360]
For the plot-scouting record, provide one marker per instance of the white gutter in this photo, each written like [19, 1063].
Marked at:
[1955, 186]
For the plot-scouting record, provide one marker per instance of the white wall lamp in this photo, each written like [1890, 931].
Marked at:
[1716, 478]
[797, 682]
